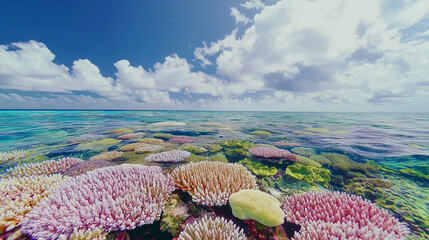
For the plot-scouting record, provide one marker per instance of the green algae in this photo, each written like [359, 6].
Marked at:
[321, 159]
[237, 153]
[258, 168]
[240, 144]
[344, 163]
[163, 135]
[318, 130]
[218, 158]
[260, 133]
[213, 148]
[307, 161]
[195, 149]
[309, 174]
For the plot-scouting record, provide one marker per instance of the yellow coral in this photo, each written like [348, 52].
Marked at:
[19, 195]
[257, 205]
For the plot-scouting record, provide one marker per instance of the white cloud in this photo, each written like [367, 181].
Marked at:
[326, 50]
[239, 17]
[258, 4]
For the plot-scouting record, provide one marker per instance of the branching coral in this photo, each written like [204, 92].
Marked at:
[150, 148]
[12, 157]
[154, 141]
[133, 146]
[168, 156]
[19, 195]
[268, 152]
[96, 234]
[112, 155]
[334, 215]
[131, 135]
[212, 228]
[86, 166]
[111, 198]
[42, 168]
[211, 183]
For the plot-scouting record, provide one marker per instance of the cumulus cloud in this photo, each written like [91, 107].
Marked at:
[258, 4]
[239, 17]
[327, 50]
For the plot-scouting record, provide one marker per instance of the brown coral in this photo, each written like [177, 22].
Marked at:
[112, 155]
[211, 183]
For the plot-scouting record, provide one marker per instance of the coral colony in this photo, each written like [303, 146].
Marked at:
[146, 188]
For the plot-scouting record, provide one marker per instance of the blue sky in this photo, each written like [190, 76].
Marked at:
[286, 55]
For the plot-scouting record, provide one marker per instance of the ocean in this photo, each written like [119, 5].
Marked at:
[392, 148]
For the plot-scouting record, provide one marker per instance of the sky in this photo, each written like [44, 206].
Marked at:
[260, 55]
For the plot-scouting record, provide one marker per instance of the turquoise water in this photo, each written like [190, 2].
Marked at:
[394, 141]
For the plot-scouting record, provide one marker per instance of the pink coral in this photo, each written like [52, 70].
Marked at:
[168, 156]
[334, 215]
[182, 139]
[111, 198]
[267, 152]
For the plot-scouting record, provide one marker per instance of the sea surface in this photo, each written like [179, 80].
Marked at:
[397, 143]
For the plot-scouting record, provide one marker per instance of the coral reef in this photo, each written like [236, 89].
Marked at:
[286, 143]
[258, 168]
[307, 161]
[86, 138]
[150, 148]
[309, 174]
[86, 166]
[12, 157]
[153, 141]
[168, 124]
[168, 156]
[256, 205]
[133, 146]
[340, 215]
[370, 188]
[241, 144]
[96, 234]
[321, 159]
[211, 183]
[182, 139]
[175, 213]
[131, 135]
[213, 148]
[344, 163]
[19, 195]
[163, 135]
[111, 198]
[212, 228]
[112, 155]
[195, 149]
[267, 152]
[42, 168]
[304, 151]
[98, 145]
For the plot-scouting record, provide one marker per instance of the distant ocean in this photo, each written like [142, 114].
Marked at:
[397, 142]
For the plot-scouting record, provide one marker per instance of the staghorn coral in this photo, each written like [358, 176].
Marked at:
[111, 198]
[112, 155]
[19, 195]
[133, 146]
[149, 148]
[168, 156]
[211, 183]
[212, 228]
[131, 135]
[154, 141]
[182, 139]
[86, 166]
[168, 124]
[268, 152]
[12, 157]
[96, 234]
[323, 214]
[42, 168]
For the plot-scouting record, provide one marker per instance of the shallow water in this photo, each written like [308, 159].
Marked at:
[395, 141]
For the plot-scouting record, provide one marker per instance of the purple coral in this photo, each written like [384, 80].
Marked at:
[267, 152]
[334, 215]
[169, 156]
[111, 198]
